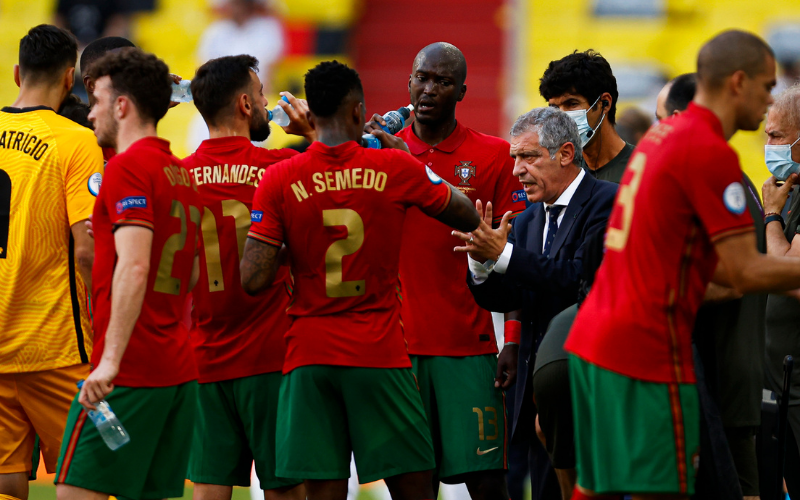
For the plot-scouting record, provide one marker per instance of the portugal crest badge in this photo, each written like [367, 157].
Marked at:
[465, 170]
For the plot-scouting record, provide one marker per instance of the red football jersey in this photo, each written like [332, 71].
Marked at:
[681, 192]
[234, 335]
[339, 210]
[444, 320]
[147, 186]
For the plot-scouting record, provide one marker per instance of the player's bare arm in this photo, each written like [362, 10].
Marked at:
[258, 266]
[460, 214]
[743, 268]
[84, 250]
[128, 287]
[775, 196]
[485, 243]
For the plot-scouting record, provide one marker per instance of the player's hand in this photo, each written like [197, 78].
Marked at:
[485, 243]
[775, 195]
[98, 385]
[298, 117]
[374, 124]
[507, 367]
[389, 141]
[176, 80]
[89, 226]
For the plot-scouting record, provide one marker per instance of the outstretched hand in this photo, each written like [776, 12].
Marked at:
[485, 243]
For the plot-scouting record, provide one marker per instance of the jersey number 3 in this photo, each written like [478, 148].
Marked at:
[617, 238]
[334, 286]
[5, 212]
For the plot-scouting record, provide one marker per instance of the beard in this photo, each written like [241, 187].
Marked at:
[107, 135]
[259, 128]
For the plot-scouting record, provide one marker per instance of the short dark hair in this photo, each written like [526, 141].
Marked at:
[45, 52]
[99, 48]
[328, 84]
[76, 110]
[681, 93]
[584, 73]
[219, 81]
[142, 77]
[729, 52]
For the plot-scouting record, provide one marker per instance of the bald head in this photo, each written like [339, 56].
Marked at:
[443, 53]
[729, 52]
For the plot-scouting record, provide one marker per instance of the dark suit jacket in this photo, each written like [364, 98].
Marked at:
[541, 286]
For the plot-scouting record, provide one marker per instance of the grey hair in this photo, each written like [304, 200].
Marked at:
[788, 104]
[554, 128]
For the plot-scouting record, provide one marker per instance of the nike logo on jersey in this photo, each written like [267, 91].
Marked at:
[486, 451]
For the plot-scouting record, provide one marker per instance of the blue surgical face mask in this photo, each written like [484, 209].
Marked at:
[579, 117]
[779, 160]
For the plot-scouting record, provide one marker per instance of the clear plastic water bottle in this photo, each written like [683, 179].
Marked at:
[107, 423]
[395, 121]
[181, 91]
[278, 116]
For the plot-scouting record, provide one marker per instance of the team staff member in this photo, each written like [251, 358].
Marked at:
[632, 336]
[237, 339]
[782, 315]
[146, 222]
[50, 171]
[583, 85]
[347, 382]
[450, 339]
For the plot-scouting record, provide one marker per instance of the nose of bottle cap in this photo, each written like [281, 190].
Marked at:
[284, 99]
[269, 115]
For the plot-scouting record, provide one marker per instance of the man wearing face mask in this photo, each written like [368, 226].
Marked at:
[782, 155]
[583, 85]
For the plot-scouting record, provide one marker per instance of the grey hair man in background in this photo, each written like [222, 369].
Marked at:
[536, 266]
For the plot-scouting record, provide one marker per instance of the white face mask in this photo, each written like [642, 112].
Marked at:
[779, 160]
[579, 117]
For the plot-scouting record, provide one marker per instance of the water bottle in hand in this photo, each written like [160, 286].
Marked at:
[107, 423]
[395, 121]
[278, 116]
[181, 91]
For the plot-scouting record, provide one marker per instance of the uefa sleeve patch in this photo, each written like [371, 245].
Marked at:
[94, 183]
[432, 176]
[131, 202]
[734, 198]
[256, 216]
[518, 196]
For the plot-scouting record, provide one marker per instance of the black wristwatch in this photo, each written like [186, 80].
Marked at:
[773, 218]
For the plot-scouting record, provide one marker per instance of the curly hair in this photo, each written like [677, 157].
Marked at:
[584, 73]
[142, 77]
[327, 85]
[218, 82]
[45, 52]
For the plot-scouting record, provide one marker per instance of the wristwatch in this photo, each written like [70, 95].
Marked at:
[773, 218]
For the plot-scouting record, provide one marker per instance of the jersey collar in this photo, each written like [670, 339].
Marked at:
[153, 142]
[450, 144]
[224, 142]
[708, 116]
[345, 148]
[9, 109]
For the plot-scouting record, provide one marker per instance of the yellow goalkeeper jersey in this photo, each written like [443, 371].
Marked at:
[50, 173]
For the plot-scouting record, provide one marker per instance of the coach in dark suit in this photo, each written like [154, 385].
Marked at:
[535, 266]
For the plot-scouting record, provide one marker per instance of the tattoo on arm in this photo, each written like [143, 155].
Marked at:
[259, 266]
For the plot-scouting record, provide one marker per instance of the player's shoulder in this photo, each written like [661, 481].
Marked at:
[67, 132]
[479, 139]
[272, 156]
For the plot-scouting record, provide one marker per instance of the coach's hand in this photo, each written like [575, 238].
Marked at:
[775, 195]
[507, 366]
[297, 111]
[98, 385]
[485, 243]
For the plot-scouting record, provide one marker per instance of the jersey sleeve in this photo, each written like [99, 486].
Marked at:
[717, 194]
[266, 218]
[508, 194]
[420, 186]
[128, 196]
[82, 177]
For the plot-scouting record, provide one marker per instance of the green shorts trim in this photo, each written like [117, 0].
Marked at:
[153, 464]
[633, 436]
[466, 414]
[327, 412]
[236, 425]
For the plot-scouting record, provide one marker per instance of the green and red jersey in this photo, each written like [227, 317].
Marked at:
[234, 335]
[681, 192]
[148, 186]
[339, 211]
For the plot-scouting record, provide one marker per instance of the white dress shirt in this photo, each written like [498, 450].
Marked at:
[480, 273]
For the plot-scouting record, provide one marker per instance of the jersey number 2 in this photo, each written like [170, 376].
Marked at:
[617, 238]
[5, 212]
[334, 286]
[165, 283]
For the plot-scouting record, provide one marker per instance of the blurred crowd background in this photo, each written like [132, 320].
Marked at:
[508, 44]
